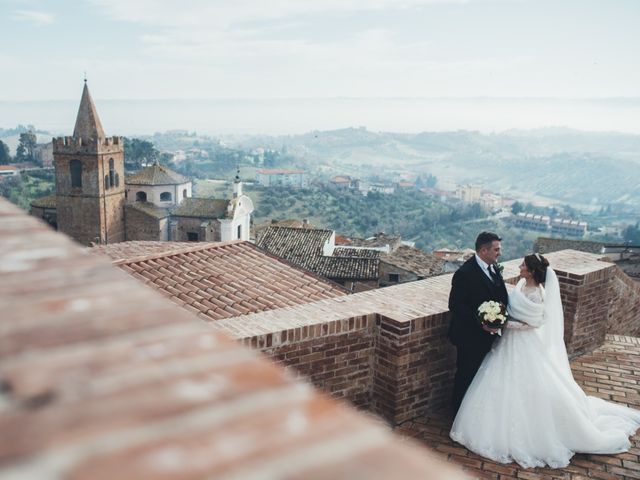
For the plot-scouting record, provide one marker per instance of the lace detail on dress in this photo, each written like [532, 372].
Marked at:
[533, 293]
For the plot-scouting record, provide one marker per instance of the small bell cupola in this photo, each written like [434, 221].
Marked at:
[237, 185]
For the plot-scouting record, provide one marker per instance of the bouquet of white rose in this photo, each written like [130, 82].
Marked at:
[492, 314]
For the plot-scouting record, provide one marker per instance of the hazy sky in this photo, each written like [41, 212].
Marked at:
[326, 48]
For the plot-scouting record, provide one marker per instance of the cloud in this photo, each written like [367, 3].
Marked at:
[193, 13]
[37, 18]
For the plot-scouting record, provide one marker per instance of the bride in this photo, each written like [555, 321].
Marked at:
[523, 404]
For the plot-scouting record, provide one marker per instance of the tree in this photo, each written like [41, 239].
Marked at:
[516, 208]
[5, 157]
[139, 153]
[631, 234]
[26, 147]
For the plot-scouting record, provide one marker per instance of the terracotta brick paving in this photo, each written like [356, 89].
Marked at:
[611, 372]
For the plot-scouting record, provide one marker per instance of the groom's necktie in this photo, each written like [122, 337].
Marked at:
[493, 275]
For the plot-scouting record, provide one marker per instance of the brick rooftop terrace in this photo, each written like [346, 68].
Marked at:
[612, 372]
[103, 378]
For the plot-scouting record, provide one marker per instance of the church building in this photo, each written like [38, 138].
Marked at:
[94, 203]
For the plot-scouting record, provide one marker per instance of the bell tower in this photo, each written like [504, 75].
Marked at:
[89, 177]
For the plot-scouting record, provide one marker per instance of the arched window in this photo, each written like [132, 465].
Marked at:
[165, 197]
[184, 193]
[141, 197]
[239, 232]
[76, 173]
[112, 173]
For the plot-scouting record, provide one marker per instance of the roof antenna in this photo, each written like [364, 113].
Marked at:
[85, 77]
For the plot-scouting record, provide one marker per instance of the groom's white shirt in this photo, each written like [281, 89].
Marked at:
[484, 266]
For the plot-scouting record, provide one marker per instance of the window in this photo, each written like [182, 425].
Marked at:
[394, 277]
[239, 232]
[117, 180]
[165, 197]
[106, 182]
[76, 173]
[112, 173]
[184, 193]
[192, 237]
[141, 197]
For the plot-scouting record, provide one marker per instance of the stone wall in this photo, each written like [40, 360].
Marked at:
[208, 233]
[90, 213]
[409, 364]
[141, 226]
[387, 269]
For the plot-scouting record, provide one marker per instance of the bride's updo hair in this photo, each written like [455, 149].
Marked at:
[537, 265]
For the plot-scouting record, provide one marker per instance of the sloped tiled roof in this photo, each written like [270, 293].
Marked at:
[347, 268]
[201, 207]
[220, 280]
[156, 175]
[341, 179]
[414, 260]
[258, 229]
[127, 250]
[50, 201]
[300, 246]
[304, 247]
[149, 209]
[356, 252]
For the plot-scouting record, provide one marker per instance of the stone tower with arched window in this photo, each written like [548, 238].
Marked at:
[90, 190]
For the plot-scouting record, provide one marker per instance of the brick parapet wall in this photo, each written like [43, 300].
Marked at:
[335, 355]
[412, 362]
[412, 368]
[624, 305]
[585, 302]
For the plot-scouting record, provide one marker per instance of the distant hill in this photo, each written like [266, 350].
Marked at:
[567, 165]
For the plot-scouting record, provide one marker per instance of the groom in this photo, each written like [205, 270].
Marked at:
[474, 283]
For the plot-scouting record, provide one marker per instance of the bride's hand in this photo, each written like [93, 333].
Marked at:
[492, 331]
[518, 326]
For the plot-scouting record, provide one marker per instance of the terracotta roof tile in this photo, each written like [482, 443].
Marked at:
[219, 280]
[414, 260]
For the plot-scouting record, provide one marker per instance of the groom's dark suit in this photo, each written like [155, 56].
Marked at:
[469, 288]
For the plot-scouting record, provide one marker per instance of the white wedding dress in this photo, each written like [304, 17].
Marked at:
[524, 405]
